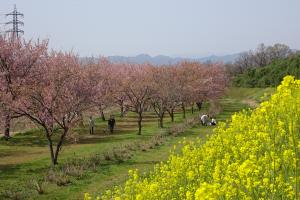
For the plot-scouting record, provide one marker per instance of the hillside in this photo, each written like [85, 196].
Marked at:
[270, 75]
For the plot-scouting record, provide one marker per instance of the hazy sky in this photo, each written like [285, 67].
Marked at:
[168, 27]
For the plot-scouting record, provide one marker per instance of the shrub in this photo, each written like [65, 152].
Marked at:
[177, 129]
[57, 177]
[15, 192]
[144, 146]
[39, 185]
[94, 160]
[108, 156]
[157, 140]
[73, 170]
[131, 146]
[121, 154]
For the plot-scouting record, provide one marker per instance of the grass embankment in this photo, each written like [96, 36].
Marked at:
[25, 156]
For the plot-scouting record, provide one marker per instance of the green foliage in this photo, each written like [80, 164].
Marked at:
[270, 75]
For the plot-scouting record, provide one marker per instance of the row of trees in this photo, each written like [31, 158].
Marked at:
[53, 89]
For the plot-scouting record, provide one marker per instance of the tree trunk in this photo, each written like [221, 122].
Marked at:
[161, 121]
[81, 119]
[140, 123]
[59, 145]
[171, 113]
[7, 126]
[122, 110]
[53, 160]
[102, 116]
[183, 109]
[193, 108]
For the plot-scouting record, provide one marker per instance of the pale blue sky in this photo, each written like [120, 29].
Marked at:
[168, 27]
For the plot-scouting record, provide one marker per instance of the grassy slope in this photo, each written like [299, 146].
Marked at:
[26, 155]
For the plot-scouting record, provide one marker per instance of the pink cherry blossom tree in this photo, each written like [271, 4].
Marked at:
[118, 86]
[164, 97]
[101, 79]
[17, 58]
[136, 87]
[200, 82]
[53, 96]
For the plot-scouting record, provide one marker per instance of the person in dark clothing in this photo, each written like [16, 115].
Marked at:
[111, 123]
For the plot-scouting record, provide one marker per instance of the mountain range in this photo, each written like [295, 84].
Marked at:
[163, 60]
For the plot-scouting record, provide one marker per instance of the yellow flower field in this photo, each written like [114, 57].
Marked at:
[255, 156]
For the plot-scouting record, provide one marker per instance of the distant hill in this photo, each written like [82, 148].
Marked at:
[270, 75]
[162, 60]
[225, 59]
[145, 58]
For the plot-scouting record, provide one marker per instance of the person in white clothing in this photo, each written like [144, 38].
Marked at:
[204, 120]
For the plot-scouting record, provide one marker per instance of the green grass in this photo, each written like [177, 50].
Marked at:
[26, 155]
[257, 94]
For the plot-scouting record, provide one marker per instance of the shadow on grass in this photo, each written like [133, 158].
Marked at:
[26, 139]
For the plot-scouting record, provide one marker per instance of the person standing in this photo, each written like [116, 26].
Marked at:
[111, 123]
[91, 125]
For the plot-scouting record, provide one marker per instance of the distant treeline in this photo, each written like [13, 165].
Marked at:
[270, 75]
[265, 67]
